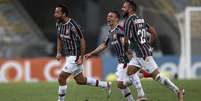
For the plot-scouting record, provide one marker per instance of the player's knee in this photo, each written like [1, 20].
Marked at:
[154, 74]
[129, 73]
[132, 70]
[120, 85]
[62, 78]
[81, 81]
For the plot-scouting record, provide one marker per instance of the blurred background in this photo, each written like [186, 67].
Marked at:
[28, 37]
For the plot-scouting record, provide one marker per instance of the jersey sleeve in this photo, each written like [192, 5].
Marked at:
[106, 40]
[77, 29]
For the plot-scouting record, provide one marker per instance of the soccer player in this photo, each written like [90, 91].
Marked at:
[115, 38]
[136, 30]
[71, 45]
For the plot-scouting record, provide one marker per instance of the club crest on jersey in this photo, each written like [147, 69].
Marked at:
[114, 35]
[67, 31]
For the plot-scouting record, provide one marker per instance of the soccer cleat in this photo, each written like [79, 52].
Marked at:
[141, 98]
[181, 94]
[109, 89]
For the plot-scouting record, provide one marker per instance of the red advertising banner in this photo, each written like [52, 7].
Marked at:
[42, 69]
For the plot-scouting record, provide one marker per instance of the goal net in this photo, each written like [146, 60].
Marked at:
[190, 28]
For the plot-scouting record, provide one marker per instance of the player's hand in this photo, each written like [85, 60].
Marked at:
[58, 56]
[87, 56]
[80, 60]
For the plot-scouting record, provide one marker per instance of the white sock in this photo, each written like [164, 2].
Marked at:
[98, 83]
[166, 82]
[127, 94]
[62, 92]
[136, 82]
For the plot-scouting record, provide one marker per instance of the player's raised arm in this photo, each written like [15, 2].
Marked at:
[153, 33]
[99, 49]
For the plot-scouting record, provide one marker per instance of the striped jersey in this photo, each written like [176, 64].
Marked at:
[115, 37]
[70, 35]
[136, 31]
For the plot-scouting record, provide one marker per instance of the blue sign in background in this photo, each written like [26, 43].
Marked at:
[110, 64]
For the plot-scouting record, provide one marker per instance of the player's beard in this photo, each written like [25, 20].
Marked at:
[125, 14]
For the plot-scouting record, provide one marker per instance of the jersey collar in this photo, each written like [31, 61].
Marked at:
[132, 15]
[67, 21]
[112, 30]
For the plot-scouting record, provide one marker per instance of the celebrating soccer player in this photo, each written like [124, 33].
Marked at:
[71, 45]
[136, 32]
[115, 38]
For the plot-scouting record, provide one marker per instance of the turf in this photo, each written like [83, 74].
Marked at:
[48, 92]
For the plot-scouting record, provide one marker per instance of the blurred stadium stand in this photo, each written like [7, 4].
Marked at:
[19, 37]
[27, 26]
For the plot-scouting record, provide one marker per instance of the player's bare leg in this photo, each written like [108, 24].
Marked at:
[81, 80]
[125, 91]
[132, 73]
[166, 82]
[63, 76]
[181, 94]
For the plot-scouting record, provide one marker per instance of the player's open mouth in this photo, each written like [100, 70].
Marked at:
[108, 21]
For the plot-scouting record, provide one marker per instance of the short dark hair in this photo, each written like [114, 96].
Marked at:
[64, 9]
[116, 13]
[132, 4]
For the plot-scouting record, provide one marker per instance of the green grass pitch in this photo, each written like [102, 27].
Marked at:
[48, 92]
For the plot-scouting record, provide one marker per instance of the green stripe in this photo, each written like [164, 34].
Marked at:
[78, 46]
[127, 25]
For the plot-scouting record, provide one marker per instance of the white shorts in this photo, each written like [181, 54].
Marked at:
[121, 73]
[71, 67]
[148, 64]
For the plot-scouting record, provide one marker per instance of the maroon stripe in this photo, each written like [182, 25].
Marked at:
[137, 40]
[97, 83]
[125, 65]
[147, 48]
[144, 49]
[121, 28]
[126, 95]
[77, 57]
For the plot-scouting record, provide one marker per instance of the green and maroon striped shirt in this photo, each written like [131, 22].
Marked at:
[136, 30]
[70, 35]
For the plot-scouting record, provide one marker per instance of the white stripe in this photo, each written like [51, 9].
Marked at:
[67, 21]
[65, 36]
